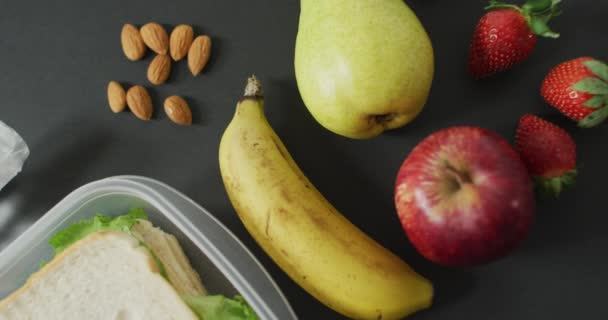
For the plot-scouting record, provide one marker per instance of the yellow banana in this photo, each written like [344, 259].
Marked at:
[303, 233]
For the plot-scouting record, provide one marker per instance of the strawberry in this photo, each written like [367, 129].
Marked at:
[506, 35]
[579, 89]
[549, 153]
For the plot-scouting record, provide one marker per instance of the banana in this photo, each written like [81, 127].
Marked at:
[303, 233]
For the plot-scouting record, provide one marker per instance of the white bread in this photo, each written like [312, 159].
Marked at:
[106, 275]
[167, 249]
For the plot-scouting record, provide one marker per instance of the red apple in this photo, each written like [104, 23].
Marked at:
[464, 197]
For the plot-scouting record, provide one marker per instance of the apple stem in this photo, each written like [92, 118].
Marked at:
[461, 177]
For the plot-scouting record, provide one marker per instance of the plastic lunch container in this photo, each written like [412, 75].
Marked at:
[224, 264]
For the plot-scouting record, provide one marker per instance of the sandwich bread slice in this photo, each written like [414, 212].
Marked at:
[120, 268]
[106, 275]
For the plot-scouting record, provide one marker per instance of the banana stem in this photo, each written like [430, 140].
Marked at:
[253, 88]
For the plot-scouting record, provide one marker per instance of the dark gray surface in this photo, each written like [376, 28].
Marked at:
[57, 57]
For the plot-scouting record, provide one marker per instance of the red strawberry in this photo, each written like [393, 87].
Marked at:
[549, 153]
[579, 89]
[506, 36]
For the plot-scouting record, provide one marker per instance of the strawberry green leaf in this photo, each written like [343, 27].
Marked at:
[592, 86]
[555, 186]
[540, 27]
[598, 68]
[594, 119]
[596, 102]
[554, 3]
[537, 5]
[538, 13]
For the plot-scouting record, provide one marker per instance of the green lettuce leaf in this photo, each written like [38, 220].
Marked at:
[220, 308]
[161, 266]
[77, 231]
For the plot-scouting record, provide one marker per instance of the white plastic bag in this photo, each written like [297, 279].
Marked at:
[13, 152]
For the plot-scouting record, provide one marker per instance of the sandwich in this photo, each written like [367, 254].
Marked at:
[120, 268]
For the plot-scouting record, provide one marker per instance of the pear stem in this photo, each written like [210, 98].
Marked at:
[253, 88]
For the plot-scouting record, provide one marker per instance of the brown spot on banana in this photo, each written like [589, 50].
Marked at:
[267, 229]
[285, 195]
[319, 221]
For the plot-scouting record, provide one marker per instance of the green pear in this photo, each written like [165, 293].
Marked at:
[362, 66]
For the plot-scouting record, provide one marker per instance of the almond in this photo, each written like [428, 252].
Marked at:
[159, 69]
[155, 37]
[117, 98]
[180, 41]
[178, 111]
[139, 102]
[199, 53]
[132, 44]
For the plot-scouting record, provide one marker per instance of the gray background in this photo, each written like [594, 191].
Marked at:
[56, 58]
